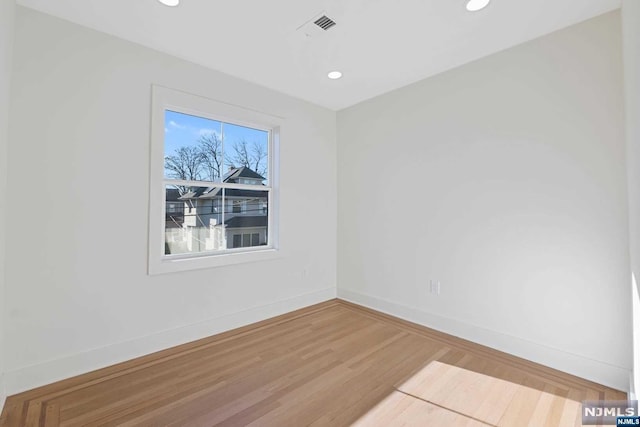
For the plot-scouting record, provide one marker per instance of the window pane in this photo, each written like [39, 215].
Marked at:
[196, 224]
[205, 219]
[246, 148]
[251, 222]
[192, 147]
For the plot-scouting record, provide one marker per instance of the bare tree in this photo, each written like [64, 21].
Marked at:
[240, 155]
[211, 151]
[185, 164]
[251, 156]
[259, 153]
[205, 160]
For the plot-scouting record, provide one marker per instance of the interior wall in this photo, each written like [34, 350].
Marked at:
[631, 43]
[505, 181]
[78, 295]
[7, 16]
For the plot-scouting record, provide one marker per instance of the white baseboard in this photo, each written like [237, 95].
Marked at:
[3, 395]
[45, 373]
[594, 370]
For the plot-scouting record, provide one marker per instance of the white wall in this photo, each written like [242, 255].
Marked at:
[7, 16]
[78, 295]
[505, 180]
[631, 43]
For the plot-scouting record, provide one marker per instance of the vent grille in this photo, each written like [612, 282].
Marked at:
[324, 22]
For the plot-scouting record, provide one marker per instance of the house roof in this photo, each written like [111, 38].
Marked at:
[172, 195]
[247, 221]
[231, 176]
[202, 193]
[242, 172]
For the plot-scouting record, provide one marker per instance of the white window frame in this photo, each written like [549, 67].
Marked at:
[168, 99]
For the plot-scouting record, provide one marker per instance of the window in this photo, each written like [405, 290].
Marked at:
[216, 164]
[246, 240]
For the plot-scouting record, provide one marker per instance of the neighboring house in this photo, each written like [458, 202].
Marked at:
[174, 208]
[208, 225]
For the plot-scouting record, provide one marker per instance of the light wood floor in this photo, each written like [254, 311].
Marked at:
[333, 364]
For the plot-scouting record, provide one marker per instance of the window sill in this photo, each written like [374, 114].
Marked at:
[168, 265]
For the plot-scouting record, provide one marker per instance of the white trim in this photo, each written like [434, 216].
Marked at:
[168, 99]
[218, 259]
[273, 204]
[3, 395]
[29, 377]
[594, 370]
[635, 336]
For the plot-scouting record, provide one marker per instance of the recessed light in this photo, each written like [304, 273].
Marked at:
[476, 5]
[171, 3]
[334, 75]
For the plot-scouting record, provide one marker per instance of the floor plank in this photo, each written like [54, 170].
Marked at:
[333, 364]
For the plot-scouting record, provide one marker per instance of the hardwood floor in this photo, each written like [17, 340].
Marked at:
[333, 364]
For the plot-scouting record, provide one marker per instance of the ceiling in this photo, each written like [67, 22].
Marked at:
[379, 45]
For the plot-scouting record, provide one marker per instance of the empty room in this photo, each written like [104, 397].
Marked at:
[319, 213]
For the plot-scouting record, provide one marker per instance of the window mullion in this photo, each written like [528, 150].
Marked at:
[189, 183]
[222, 150]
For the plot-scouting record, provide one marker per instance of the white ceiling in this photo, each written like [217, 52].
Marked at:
[379, 45]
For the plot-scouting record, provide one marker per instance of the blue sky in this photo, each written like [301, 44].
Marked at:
[184, 130]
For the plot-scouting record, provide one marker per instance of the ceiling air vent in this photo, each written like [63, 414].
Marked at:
[317, 25]
[324, 22]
